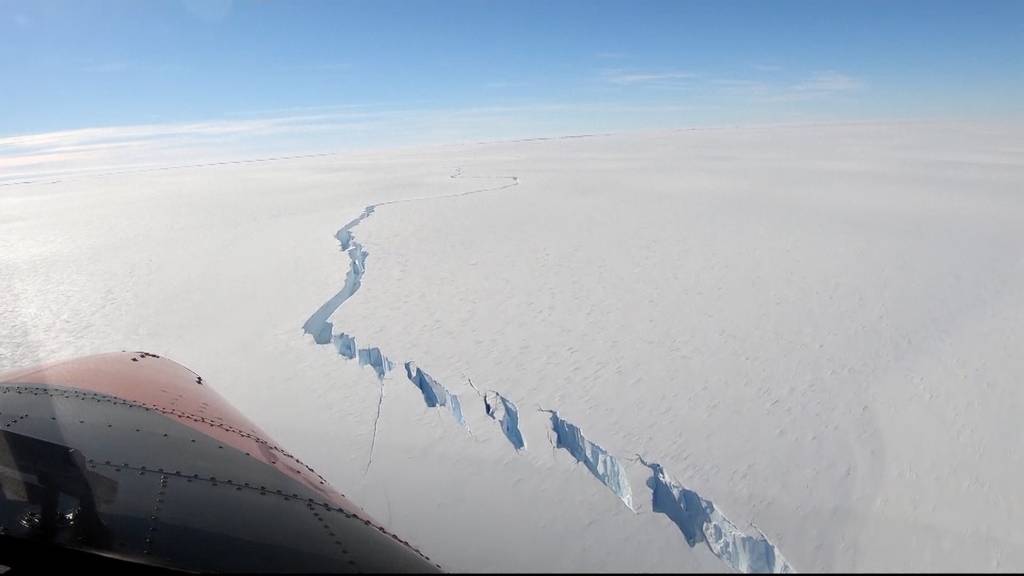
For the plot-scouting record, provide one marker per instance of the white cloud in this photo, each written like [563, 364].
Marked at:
[295, 131]
[115, 148]
[661, 78]
[741, 83]
[503, 84]
[208, 10]
[830, 81]
[819, 85]
[107, 67]
[325, 67]
[759, 88]
[98, 149]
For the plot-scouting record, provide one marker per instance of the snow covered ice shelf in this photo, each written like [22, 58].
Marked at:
[816, 328]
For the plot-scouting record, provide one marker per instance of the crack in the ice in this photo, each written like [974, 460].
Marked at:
[322, 329]
[434, 393]
[376, 421]
[599, 462]
[346, 345]
[696, 517]
[504, 412]
[507, 414]
[701, 521]
[373, 357]
[318, 325]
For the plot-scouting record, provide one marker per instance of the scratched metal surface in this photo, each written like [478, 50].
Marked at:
[95, 472]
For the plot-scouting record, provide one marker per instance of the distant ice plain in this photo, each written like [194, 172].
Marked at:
[817, 327]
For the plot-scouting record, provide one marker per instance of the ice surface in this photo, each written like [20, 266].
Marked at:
[815, 327]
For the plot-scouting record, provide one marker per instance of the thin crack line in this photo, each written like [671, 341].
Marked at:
[373, 439]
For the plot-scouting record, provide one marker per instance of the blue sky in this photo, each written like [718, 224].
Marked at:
[419, 70]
